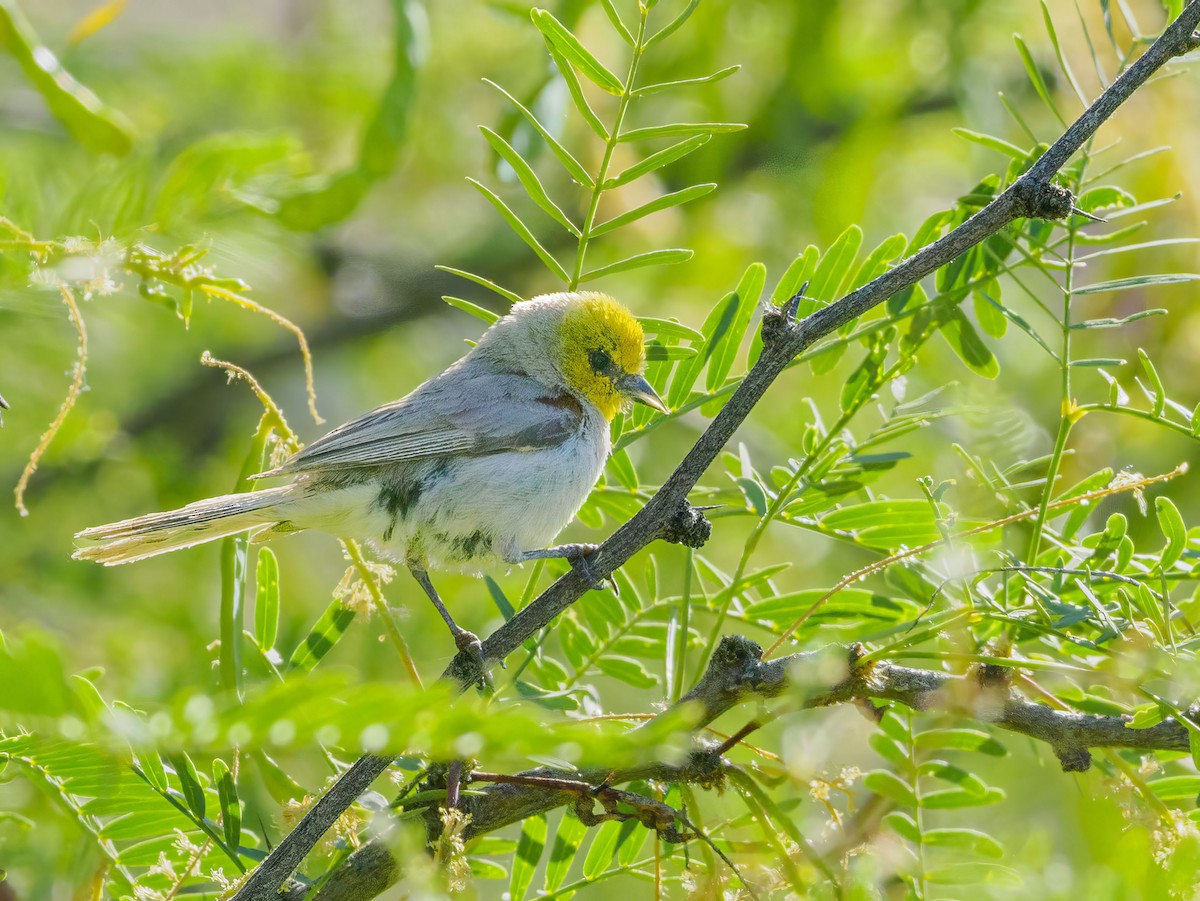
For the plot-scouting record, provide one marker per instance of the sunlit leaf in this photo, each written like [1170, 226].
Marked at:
[522, 231]
[528, 178]
[639, 261]
[685, 82]
[569, 46]
[664, 202]
[529, 853]
[569, 162]
[680, 130]
[657, 160]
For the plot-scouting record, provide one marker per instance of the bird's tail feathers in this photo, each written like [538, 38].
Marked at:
[158, 533]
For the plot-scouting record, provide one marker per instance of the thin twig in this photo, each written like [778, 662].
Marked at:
[77, 378]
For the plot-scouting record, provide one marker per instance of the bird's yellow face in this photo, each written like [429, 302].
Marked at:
[603, 354]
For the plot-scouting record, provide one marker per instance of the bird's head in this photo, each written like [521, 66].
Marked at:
[585, 342]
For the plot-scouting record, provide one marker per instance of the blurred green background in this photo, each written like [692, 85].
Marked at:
[850, 108]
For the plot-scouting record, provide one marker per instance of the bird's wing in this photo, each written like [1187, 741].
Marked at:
[464, 415]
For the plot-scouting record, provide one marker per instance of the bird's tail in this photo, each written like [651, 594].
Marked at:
[158, 533]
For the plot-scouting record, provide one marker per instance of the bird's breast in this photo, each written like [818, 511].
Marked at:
[472, 512]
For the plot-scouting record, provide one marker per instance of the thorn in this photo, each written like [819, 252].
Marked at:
[790, 308]
[1079, 212]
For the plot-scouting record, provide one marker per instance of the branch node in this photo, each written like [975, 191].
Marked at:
[991, 676]
[687, 527]
[1042, 200]
[1073, 759]
[778, 321]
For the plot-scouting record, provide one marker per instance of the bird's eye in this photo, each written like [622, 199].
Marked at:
[600, 360]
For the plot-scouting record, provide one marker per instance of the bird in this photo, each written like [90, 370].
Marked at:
[480, 466]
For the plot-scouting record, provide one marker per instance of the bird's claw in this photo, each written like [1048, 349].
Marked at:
[581, 565]
[469, 642]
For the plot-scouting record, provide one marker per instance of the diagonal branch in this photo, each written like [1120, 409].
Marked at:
[667, 515]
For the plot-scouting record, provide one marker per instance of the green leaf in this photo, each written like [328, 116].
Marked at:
[575, 89]
[627, 670]
[1105, 197]
[957, 798]
[878, 261]
[669, 327]
[939, 769]
[988, 309]
[1139, 281]
[1160, 394]
[666, 201]
[975, 874]
[991, 143]
[965, 839]
[1172, 525]
[886, 523]
[324, 635]
[1109, 322]
[522, 230]
[529, 180]
[152, 768]
[480, 280]
[499, 598]
[600, 854]
[834, 267]
[888, 784]
[622, 467]
[903, 825]
[1062, 59]
[1175, 788]
[569, 162]
[640, 261]
[473, 309]
[189, 782]
[94, 124]
[615, 18]
[233, 603]
[799, 271]
[656, 353]
[680, 130]
[658, 160]
[722, 346]
[266, 599]
[671, 27]
[959, 740]
[685, 82]
[569, 46]
[966, 343]
[481, 868]
[848, 604]
[529, 852]
[231, 808]
[567, 839]
[1035, 76]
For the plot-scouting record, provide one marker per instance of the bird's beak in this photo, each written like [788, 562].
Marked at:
[636, 388]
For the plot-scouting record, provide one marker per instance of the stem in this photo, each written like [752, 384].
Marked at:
[610, 147]
[386, 614]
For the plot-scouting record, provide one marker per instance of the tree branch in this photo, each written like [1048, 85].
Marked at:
[737, 674]
[668, 513]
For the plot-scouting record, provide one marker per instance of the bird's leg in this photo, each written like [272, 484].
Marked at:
[463, 640]
[575, 554]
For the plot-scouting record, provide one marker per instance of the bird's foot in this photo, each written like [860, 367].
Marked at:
[580, 562]
[469, 642]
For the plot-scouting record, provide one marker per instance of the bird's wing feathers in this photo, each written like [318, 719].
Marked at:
[464, 416]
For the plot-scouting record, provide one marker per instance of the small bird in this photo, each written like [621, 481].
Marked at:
[483, 464]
